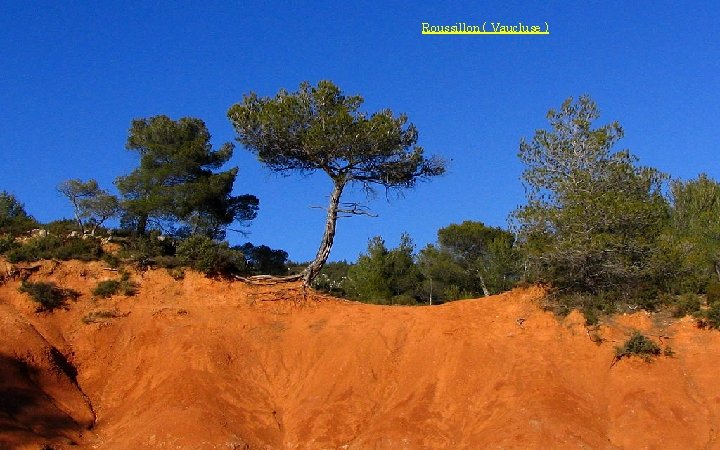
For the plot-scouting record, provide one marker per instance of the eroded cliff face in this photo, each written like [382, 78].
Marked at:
[197, 363]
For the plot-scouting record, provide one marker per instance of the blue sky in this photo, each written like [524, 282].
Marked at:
[74, 74]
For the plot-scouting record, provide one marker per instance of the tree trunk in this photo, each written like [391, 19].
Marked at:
[486, 293]
[142, 225]
[312, 271]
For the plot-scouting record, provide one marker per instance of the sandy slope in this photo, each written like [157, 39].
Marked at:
[208, 364]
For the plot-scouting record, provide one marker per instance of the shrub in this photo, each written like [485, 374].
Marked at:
[34, 249]
[78, 248]
[62, 227]
[686, 304]
[47, 294]
[592, 317]
[210, 257]
[14, 220]
[7, 242]
[713, 316]
[403, 299]
[113, 261]
[593, 306]
[108, 288]
[147, 250]
[712, 291]
[52, 247]
[177, 273]
[639, 345]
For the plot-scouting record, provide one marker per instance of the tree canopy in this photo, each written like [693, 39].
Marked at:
[485, 253]
[14, 219]
[385, 276]
[92, 205]
[593, 216]
[176, 188]
[694, 231]
[318, 128]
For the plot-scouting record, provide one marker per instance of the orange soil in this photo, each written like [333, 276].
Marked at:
[204, 364]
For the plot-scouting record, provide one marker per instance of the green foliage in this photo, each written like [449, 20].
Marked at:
[332, 278]
[367, 279]
[210, 257]
[47, 294]
[381, 275]
[92, 205]
[404, 300]
[149, 251]
[639, 345]
[712, 292]
[108, 288]
[592, 220]
[470, 260]
[112, 260]
[14, 220]
[7, 242]
[61, 227]
[695, 230]
[53, 247]
[686, 304]
[593, 306]
[175, 185]
[320, 128]
[713, 316]
[78, 248]
[264, 260]
[486, 255]
[444, 279]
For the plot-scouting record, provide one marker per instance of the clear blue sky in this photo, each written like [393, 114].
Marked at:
[74, 74]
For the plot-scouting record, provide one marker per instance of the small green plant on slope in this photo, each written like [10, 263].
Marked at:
[108, 288]
[47, 294]
[687, 304]
[637, 345]
[101, 316]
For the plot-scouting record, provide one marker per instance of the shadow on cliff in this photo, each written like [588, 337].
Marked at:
[28, 414]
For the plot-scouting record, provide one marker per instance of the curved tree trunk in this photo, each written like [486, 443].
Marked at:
[312, 271]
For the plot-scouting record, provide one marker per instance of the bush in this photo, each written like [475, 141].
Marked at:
[403, 299]
[78, 248]
[62, 227]
[108, 288]
[639, 345]
[14, 220]
[686, 304]
[177, 273]
[210, 257]
[113, 261]
[47, 294]
[7, 242]
[712, 291]
[593, 306]
[148, 250]
[52, 247]
[712, 316]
